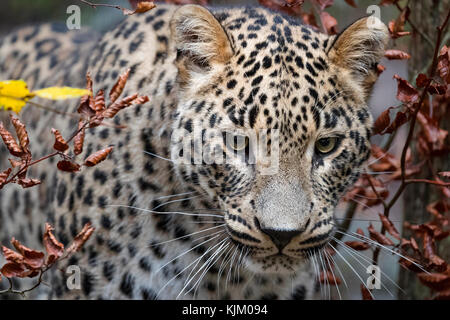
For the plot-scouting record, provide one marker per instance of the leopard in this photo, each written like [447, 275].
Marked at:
[169, 222]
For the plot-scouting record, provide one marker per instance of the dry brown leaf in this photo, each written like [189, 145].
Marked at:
[4, 175]
[60, 144]
[79, 138]
[328, 22]
[81, 238]
[365, 293]
[141, 7]
[435, 281]
[68, 166]
[389, 226]
[21, 133]
[114, 108]
[378, 237]
[28, 183]
[406, 92]
[31, 258]
[99, 101]
[97, 157]
[117, 89]
[327, 276]
[358, 245]
[10, 142]
[53, 247]
[396, 55]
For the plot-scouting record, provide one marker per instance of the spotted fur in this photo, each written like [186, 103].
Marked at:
[236, 69]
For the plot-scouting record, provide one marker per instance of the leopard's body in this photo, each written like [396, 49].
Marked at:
[250, 69]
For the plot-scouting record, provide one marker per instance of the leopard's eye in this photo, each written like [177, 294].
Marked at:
[238, 142]
[326, 145]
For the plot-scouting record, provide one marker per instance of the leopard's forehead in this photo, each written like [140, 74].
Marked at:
[279, 77]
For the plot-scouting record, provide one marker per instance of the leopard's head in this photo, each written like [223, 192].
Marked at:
[273, 123]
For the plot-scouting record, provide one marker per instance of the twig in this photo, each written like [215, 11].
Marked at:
[95, 5]
[413, 26]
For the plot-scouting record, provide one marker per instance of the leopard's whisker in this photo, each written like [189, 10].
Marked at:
[360, 237]
[351, 267]
[339, 270]
[219, 252]
[327, 255]
[175, 195]
[157, 156]
[231, 266]
[216, 235]
[352, 254]
[219, 274]
[188, 235]
[166, 212]
[197, 260]
[353, 251]
[205, 264]
[173, 201]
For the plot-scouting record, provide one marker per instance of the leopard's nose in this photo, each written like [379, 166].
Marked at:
[281, 238]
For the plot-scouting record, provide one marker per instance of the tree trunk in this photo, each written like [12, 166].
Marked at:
[426, 16]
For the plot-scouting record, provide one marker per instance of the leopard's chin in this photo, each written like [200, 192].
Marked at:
[279, 264]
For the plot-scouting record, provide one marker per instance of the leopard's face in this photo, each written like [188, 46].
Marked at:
[273, 126]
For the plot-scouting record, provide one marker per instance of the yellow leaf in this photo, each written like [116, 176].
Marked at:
[14, 94]
[61, 93]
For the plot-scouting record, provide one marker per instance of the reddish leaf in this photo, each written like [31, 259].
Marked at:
[434, 136]
[435, 281]
[410, 264]
[445, 174]
[380, 69]
[382, 122]
[10, 142]
[21, 133]
[389, 226]
[396, 55]
[406, 92]
[422, 80]
[53, 247]
[97, 157]
[444, 64]
[351, 3]
[328, 22]
[4, 175]
[81, 238]
[141, 7]
[365, 293]
[378, 237]
[443, 295]
[11, 270]
[12, 256]
[79, 138]
[328, 277]
[429, 253]
[60, 144]
[28, 183]
[68, 166]
[358, 245]
[99, 101]
[117, 89]
[397, 27]
[113, 109]
[400, 119]
[31, 258]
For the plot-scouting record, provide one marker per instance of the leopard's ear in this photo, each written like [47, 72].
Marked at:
[359, 48]
[200, 40]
